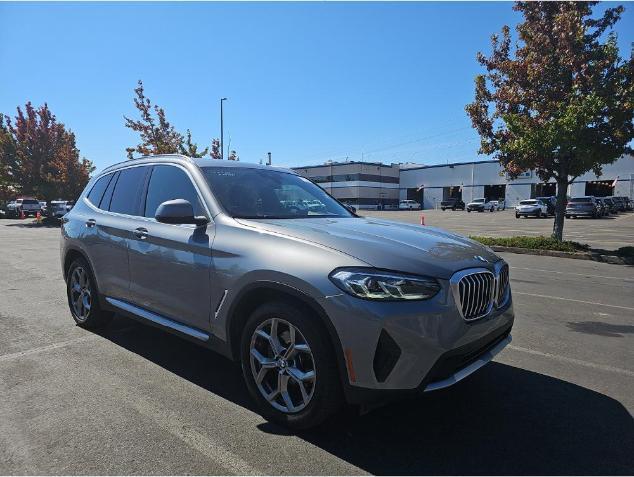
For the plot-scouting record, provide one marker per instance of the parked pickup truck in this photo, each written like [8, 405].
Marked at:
[28, 206]
[452, 204]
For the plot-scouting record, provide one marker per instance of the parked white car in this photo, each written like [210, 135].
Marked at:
[532, 208]
[499, 204]
[480, 205]
[408, 205]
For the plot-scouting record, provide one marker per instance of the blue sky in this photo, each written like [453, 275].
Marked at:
[307, 81]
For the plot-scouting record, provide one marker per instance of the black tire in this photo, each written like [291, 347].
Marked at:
[442, 208]
[469, 210]
[327, 395]
[517, 216]
[95, 317]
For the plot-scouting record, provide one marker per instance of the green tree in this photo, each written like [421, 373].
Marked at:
[158, 136]
[563, 103]
[190, 149]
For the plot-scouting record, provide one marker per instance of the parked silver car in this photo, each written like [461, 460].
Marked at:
[320, 307]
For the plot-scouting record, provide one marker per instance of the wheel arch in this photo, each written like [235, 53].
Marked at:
[257, 293]
[73, 253]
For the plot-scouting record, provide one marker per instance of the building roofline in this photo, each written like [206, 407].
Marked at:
[451, 165]
[345, 164]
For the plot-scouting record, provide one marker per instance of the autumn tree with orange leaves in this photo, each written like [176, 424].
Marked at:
[39, 156]
[157, 134]
[561, 103]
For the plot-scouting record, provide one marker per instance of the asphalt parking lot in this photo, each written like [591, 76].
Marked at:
[134, 400]
[608, 233]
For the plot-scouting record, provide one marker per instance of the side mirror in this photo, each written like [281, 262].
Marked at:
[178, 211]
[351, 209]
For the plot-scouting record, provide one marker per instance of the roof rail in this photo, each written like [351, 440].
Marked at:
[150, 156]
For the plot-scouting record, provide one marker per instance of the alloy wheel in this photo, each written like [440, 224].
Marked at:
[282, 365]
[80, 293]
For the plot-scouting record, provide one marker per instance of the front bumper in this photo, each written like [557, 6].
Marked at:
[435, 347]
[476, 208]
[527, 211]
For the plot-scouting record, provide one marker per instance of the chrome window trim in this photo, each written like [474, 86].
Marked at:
[140, 217]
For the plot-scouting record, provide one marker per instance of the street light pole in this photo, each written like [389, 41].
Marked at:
[222, 129]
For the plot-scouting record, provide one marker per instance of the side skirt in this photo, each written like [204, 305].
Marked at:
[158, 319]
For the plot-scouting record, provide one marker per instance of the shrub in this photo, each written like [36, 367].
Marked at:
[535, 243]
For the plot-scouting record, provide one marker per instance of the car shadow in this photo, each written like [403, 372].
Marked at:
[601, 329]
[501, 420]
[34, 225]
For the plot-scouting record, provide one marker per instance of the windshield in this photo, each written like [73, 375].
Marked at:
[30, 201]
[581, 199]
[269, 194]
[528, 202]
[478, 200]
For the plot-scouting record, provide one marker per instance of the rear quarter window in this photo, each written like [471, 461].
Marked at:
[96, 193]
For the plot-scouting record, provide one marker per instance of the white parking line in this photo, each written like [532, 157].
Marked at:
[580, 362]
[41, 349]
[198, 441]
[571, 299]
[571, 273]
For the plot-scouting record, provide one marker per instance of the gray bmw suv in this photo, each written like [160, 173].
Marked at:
[320, 306]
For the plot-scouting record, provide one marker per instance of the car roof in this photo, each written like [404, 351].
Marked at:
[200, 162]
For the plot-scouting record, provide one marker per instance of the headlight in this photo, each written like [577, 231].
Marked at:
[377, 285]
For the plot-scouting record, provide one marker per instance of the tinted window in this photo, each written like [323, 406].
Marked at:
[96, 193]
[127, 192]
[107, 196]
[581, 199]
[168, 183]
[30, 201]
[266, 193]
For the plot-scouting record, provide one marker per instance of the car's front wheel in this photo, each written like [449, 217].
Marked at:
[83, 298]
[289, 366]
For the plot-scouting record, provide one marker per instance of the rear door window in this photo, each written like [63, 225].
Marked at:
[168, 183]
[127, 192]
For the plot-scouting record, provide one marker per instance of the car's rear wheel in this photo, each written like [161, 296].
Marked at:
[517, 216]
[289, 366]
[83, 297]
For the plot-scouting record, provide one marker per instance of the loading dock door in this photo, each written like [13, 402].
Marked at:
[452, 192]
[545, 190]
[495, 192]
[600, 188]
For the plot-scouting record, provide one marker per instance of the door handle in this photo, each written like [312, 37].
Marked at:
[91, 223]
[140, 233]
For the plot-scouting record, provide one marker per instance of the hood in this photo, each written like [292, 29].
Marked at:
[387, 245]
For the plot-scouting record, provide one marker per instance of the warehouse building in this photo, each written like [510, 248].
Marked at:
[365, 185]
[429, 185]
[372, 185]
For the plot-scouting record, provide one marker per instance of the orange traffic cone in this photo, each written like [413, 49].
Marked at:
[38, 217]
[22, 216]
[422, 219]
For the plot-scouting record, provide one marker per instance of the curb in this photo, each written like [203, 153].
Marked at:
[613, 259]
